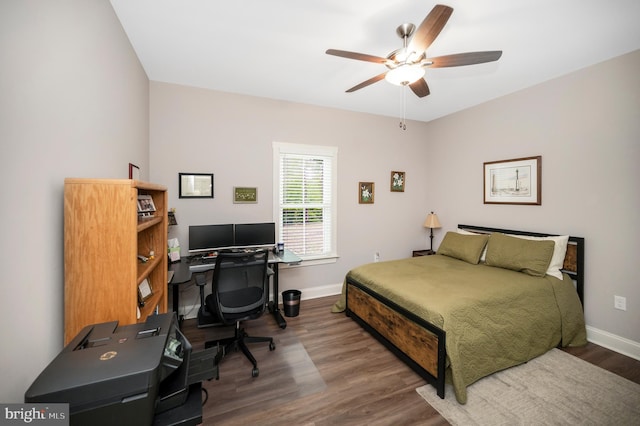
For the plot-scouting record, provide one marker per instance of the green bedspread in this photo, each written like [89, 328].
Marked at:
[494, 318]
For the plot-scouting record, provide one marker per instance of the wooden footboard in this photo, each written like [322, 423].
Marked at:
[417, 342]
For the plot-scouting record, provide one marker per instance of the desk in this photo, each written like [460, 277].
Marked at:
[287, 257]
[182, 274]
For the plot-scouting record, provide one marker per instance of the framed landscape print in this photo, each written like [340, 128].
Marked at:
[517, 181]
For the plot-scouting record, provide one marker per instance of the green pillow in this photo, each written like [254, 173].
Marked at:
[528, 256]
[463, 247]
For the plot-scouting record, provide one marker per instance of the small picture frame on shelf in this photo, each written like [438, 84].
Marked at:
[144, 291]
[146, 207]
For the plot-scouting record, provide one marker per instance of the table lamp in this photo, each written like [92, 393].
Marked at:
[432, 222]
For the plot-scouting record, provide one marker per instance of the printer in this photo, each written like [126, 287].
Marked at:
[135, 374]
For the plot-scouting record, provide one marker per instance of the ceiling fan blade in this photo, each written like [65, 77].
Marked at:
[430, 28]
[367, 82]
[460, 59]
[420, 88]
[358, 56]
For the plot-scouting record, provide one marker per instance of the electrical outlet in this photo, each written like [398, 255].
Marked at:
[620, 302]
[376, 256]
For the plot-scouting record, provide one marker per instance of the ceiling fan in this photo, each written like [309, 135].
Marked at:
[406, 65]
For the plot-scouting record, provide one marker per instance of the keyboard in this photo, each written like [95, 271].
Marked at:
[201, 264]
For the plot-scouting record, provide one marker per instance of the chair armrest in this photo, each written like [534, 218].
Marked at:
[201, 280]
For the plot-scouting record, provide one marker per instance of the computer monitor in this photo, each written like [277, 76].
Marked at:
[255, 234]
[203, 238]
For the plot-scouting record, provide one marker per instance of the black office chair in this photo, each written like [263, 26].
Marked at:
[240, 291]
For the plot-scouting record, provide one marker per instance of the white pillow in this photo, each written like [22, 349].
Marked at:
[559, 252]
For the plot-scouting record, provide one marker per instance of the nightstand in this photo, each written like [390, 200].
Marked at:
[426, 252]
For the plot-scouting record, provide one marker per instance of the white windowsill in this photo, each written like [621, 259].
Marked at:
[313, 262]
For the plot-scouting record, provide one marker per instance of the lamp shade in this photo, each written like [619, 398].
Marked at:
[432, 221]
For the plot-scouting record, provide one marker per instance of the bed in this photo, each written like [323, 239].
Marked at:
[488, 300]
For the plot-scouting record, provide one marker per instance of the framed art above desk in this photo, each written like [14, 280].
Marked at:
[195, 185]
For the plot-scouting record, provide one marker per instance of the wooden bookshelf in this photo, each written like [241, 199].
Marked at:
[103, 236]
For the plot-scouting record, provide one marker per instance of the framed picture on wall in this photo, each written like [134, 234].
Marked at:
[517, 181]
[397, 181]
[366, 192]
[195, 185]
[245, 195]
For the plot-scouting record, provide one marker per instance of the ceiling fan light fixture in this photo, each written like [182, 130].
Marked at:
[405, 74]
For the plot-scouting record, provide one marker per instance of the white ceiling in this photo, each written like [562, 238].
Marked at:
[276, 48]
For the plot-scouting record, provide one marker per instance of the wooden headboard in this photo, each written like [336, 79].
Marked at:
[573, 260]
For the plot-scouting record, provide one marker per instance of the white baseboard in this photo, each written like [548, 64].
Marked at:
[317, 292]
[191, 311]
[615, 343]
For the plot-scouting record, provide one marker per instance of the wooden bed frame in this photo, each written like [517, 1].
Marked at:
[420, 344]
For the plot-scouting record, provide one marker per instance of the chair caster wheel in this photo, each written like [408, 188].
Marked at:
[255, 372]
[272, 346]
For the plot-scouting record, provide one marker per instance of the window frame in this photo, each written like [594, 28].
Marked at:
[284, 148]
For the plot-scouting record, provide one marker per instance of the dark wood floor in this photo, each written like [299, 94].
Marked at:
[327, 370]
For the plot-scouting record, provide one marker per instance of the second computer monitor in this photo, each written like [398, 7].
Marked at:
[255, 234]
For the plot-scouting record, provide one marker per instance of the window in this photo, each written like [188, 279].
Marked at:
[304, 181]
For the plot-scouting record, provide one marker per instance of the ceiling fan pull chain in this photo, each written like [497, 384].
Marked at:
[403, 121]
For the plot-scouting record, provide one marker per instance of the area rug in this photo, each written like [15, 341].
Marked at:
[556, 388]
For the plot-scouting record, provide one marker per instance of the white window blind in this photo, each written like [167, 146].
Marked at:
[305, 183]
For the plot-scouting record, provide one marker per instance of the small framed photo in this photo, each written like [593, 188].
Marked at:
[245, 195]
[134, 172]
[144, 291]
[195, 185]
[397, 181]
[146, 207]
[366, 192]
[517, 181]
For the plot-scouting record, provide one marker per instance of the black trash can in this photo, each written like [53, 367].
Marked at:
[291, 302]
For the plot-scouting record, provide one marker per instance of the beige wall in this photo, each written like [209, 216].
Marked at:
[204, 131]
[74, 102]
[586, 127]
